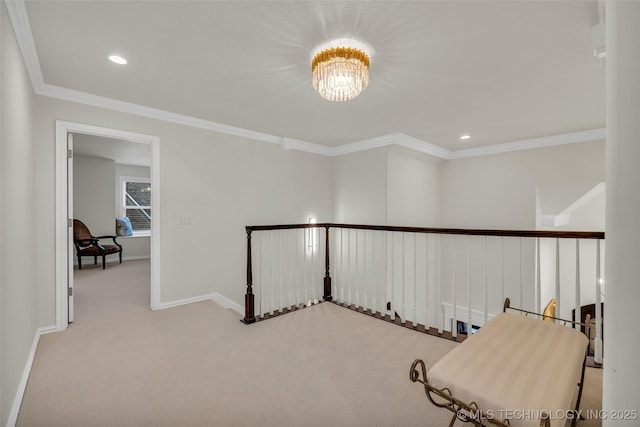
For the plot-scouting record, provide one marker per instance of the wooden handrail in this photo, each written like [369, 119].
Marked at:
[436, 230]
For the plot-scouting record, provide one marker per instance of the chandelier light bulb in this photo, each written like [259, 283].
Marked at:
[340, 69]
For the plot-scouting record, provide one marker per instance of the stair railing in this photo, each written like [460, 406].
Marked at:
[444, 281]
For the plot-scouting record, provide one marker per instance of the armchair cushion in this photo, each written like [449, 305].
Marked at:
[89, 245]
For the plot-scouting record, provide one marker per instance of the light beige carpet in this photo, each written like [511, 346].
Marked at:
[120, 364]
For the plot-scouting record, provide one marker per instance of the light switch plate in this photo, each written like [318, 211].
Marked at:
[184, 219]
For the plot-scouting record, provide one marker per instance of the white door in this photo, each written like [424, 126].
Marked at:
[70, 245]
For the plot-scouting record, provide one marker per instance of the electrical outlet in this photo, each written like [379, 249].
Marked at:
[184, 219]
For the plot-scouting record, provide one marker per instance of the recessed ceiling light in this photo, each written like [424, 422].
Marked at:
[117, 59]
[463, 137]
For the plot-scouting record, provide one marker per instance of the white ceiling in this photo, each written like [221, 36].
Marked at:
[122, 152]
[501, 71]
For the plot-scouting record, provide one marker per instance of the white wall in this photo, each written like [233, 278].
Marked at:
[388, 185]
[94, 193]
[590, 216]
[621, 375]
[222, 182]
[360, 187]
[20, 244]
[413, 188]
[499, 191]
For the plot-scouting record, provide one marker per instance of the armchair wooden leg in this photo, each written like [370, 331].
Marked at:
[104, 263]
[95, 260]
[79, 263]
[120, 255]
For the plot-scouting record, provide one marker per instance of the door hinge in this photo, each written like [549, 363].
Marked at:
[69, 222]
[70, 154]
[70, 292]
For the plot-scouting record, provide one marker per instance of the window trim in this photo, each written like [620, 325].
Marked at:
[122, 205]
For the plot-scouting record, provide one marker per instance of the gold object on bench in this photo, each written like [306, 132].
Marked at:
[549, 312]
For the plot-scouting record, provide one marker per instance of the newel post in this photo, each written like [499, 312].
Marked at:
[249, 313]
[327, 274]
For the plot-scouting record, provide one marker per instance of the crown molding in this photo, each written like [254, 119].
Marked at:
[365, 144]
[530, 144]
[309, 147]
[20, 21]
[422, 146]
[152, 113]
[19, 18]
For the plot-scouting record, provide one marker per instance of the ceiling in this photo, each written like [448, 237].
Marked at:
[121, 152]
[500, 71]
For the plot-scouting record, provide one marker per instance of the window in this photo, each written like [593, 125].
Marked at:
[136, 203]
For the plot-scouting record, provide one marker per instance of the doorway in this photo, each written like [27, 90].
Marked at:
[64, 210]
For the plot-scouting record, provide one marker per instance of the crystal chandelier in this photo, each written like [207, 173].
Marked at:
[340, 69]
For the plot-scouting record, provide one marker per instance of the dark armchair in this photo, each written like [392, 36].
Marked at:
[88, 245]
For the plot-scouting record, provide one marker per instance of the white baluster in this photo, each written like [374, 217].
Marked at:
[538, 278]
[440, 312]
[315, 273]
[365, 282]
[351, 283]
[312, 281]
[486, 281]
[469, 319]
[290, 271]
[356, 281]
[558, 279]
[415, 282]
[403, 302]
[391, 282]
[598, 341]
[374, 275]
[260, 278]
[284, 243]
[342, 277]
[426, 284]
[335, 265]
[272, 301]
[345, 290]
[280, 272]
[454, 320]
[521, 275]
[502, 265]
[299, 254]
[577, 302]
[308, 270]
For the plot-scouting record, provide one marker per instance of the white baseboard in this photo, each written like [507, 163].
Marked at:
[111, 260]
[215, 297]
[178, 303]
[134, 258]
[17, 401]
[227, 303]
